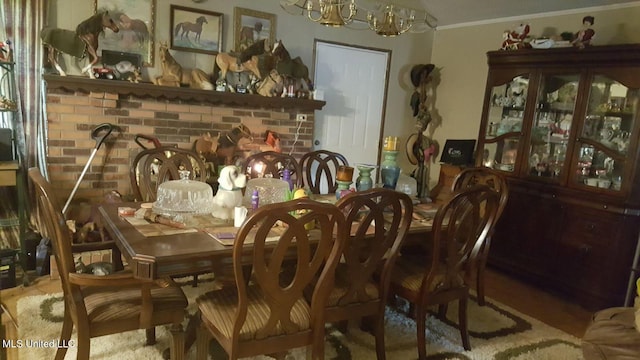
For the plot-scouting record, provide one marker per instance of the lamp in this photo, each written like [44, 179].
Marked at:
[331, 12]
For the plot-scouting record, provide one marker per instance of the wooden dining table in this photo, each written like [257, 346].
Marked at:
[155, 251]
[179, 252]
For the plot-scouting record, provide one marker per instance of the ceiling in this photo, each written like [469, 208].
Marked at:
[456, 12]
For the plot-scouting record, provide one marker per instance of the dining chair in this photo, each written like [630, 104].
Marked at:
[460, 228]
[379, 220]
[110, 304]
[319, 168]
[151, 167]
[269, 314]
[496, 181]
[273, 164]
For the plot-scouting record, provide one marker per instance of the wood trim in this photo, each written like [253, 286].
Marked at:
[148, 90]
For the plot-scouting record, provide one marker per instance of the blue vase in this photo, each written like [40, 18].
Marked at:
[389, 169]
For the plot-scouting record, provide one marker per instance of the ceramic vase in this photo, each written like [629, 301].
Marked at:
[364, 181]
[389, 169]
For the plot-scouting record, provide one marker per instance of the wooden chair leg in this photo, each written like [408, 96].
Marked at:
[65, 334]
[84, 345]
[421, 320]
[203, 338]
[379, 335]
[195, 281]
[177, 342]
[151, 336]
[462, 322]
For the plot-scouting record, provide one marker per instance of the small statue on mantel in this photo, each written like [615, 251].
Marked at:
[584, 36]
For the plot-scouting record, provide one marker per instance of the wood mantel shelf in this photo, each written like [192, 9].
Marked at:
[148, 90]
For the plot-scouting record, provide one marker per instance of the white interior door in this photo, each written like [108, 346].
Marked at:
[353, 81]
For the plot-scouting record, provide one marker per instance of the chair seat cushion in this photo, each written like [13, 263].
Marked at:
[409, 275]
[612, 335]
[116, 303]
[219, 308]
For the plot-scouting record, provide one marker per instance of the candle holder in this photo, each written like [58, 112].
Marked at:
[342, 185]
[344, 173]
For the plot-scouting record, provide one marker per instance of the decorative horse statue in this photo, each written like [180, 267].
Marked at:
[187, 27]
[174, 75]
[84, 40]
[245, 61]
[271, 85]
[293, 69]
[221, 149]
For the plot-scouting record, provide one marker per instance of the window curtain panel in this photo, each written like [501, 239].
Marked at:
[22, 20]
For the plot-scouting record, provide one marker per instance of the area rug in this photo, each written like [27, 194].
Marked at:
[497, 333]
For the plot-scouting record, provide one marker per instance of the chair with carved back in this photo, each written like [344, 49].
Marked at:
[273, 164]
[103, 305]
[270, 314]
[151, 167]
[319, 169]
[496, 181]
[379, 220]
[460, 228]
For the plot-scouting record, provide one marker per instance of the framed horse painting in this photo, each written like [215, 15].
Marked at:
[251, 26]
[196, 30]
[135, 19]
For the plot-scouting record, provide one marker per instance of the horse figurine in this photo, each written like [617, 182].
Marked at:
[290, 68]
[228, 143]
[174, 75]
[84, 40]
[271, 85]
[245, 61]
[188, 27]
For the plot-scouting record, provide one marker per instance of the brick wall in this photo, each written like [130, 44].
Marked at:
[73, 114]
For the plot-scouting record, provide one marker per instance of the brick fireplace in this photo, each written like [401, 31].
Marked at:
[176, 116]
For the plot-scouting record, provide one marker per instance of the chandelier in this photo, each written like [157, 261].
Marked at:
[331, 12]
[385, 17]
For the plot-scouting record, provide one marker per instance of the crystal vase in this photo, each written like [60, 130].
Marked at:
[389, 169]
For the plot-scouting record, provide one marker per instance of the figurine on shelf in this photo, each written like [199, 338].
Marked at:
[173, 74]
[584, 36]
[78, 43]
[6, 53]
[517, 38]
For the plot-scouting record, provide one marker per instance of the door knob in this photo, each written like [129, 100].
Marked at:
[317, 142]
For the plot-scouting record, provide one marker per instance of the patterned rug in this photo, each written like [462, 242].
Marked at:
[497, 333]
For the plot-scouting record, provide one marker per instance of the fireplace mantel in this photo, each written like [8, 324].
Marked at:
[148, 90]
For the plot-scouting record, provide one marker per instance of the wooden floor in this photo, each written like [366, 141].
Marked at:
[545, 307]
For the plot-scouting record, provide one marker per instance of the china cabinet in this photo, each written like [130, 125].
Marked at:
[563, 126]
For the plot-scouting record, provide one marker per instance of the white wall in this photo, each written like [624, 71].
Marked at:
[298, 34]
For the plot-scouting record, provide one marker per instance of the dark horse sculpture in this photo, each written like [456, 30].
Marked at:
[292, 69]
[188, 27]
[84, 40]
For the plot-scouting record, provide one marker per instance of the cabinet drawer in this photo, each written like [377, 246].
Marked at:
[593, 227]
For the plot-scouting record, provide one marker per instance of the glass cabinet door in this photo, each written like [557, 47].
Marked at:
[552, 124]
[504, 125]
[606, 134]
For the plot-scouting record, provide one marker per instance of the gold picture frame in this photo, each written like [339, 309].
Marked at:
[249, 24]
[136, 21]
[196, 30]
